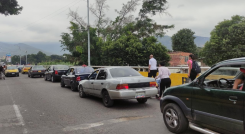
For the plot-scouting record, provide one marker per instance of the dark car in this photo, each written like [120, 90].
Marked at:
[208, 104]
[36, 70]
[54, 72]
[74, 75]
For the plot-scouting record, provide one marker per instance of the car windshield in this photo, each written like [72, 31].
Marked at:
[224, 72]
[61, 67]
[38, 67]
[81, 70]
[124, 72]
[11, 68]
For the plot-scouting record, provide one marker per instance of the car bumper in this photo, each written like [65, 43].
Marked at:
[25, 71]
[131, 94]
[11, 73]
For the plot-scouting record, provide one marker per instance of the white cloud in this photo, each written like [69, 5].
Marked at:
[45, 20]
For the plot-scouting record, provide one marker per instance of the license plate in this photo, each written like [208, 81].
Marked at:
[13, 73]
[39, 71]
[140, 95]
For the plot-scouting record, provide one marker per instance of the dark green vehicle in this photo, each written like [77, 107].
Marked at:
[209, 104]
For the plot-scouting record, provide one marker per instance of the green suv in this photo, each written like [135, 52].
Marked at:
[209, 104]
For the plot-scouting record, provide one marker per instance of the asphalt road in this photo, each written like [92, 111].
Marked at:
[35, 106]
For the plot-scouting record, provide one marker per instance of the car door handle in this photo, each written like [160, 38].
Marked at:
[233, 98]
[102, 83]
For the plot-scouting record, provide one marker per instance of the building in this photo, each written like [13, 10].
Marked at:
[178, 58]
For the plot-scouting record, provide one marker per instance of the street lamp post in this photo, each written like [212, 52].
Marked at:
[88, 36]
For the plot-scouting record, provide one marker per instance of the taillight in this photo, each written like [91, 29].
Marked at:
[56, 72]
[122, 86]
[153, 84]
[78, 78]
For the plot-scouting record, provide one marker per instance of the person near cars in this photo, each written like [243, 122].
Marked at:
[1, 71]
[164, 74]
[240, 79]
[152, 70]
[191, 74]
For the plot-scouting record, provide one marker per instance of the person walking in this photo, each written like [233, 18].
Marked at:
[191, 73]
[152, 70]
[164, 74]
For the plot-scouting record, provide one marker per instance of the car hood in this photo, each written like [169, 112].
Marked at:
[16, 70]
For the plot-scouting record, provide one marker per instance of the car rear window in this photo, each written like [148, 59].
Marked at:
[61, 67]
[38, 67]
[11, 68]
[82, 70]
[124, 72]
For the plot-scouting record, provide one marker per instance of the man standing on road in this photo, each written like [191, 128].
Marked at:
[152, 70]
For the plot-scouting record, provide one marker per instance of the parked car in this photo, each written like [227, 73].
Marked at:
[114, 83]
[26, 68]
[54, 72]
[20, 67]
[209, 104]
[36, 70]
[74, 75]
[11, 71]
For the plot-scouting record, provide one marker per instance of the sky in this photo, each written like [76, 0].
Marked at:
[46, 20]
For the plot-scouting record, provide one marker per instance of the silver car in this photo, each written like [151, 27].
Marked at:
[114, 83]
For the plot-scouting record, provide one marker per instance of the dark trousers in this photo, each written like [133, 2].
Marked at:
[193, 75]
[165, 83]
[152, 73]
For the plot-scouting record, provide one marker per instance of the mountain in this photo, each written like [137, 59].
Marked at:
[17, 49]
[166, 41]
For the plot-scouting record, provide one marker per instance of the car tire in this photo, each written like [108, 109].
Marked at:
[45, 78]
[81, 92]
[18, 75]
[28, 75]
[174, 118]
[52, 79]
[72, 87]
[142, 100]
[107, 101]
[62, 84]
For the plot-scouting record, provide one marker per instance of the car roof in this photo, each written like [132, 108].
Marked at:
[242, 59]
[115, 67]
[79, 66]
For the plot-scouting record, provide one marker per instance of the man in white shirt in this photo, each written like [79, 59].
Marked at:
[152, 70]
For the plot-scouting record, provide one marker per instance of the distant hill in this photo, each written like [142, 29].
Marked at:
[17, 49]
[166, 41]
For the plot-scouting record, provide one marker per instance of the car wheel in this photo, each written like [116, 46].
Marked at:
[142, 100]
[174, 118]
[62, 84]
[73, 88]
[81, 92]
[45, 77]
[28, 75]
[107, 101]
[18, 75]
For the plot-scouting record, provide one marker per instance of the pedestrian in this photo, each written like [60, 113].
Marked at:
[1, 71]
[164, 75]
[152, 70]
[191, 73]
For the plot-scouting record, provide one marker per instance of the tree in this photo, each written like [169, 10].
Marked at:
[183, 41]
[227, 41]
[15, 59]
[10, 7]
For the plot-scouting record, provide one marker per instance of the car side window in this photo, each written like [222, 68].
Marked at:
[101, 75]
[68, 71]
[93, 75]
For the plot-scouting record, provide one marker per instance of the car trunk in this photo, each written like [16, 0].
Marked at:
[82, 76]
[61, 72]
[136, 82]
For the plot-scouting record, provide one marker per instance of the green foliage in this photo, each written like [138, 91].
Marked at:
[183, 41]
[10, 7]
[227, 41]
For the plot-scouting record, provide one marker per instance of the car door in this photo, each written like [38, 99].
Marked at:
[88, 86]
[99, 82]
[65, 77]
[216, 104]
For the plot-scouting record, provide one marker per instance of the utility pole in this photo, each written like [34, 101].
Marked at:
[20, 59]
[88, 36]
[26, 57]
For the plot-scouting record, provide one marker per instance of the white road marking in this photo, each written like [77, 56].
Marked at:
[106, 122]
[17, 112]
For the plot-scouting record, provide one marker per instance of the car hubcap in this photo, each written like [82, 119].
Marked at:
[171, 118]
